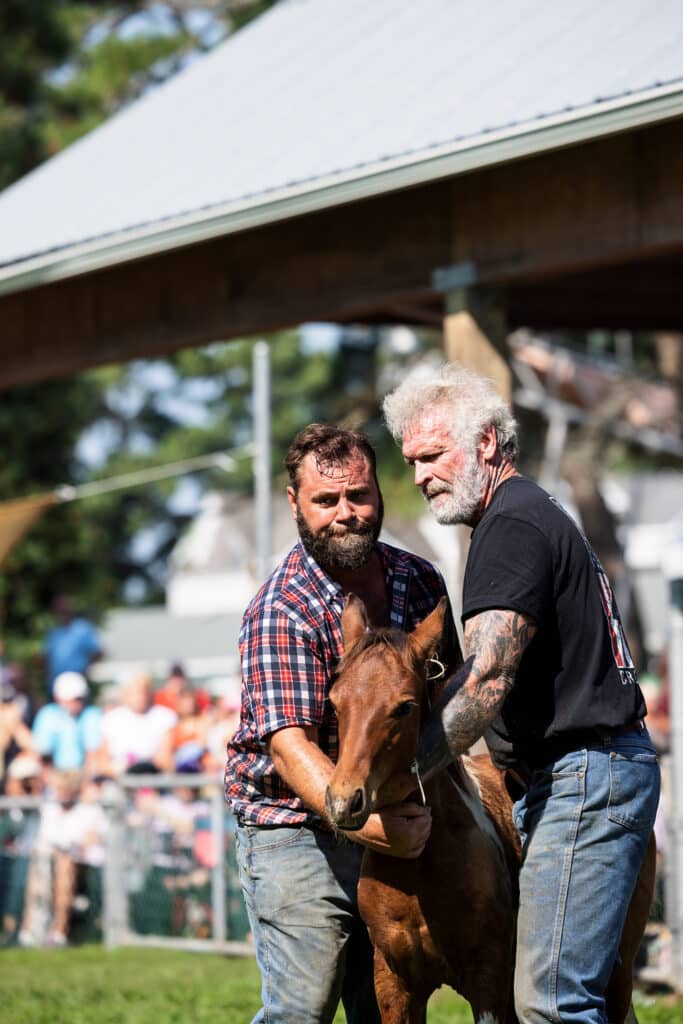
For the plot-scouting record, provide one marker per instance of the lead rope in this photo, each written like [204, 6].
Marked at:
[414, 768]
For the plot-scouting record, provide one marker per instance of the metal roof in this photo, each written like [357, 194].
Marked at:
[320, 102]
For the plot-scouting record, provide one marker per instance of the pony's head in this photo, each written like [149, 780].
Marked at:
[377, 695]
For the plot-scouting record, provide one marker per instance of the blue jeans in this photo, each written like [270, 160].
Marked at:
[584, 823]
[312, 948]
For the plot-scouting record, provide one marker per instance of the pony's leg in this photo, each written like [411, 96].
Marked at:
[493, 1013]
[486, 990]
[396, 1004]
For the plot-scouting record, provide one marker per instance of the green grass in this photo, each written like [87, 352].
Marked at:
[90, 985]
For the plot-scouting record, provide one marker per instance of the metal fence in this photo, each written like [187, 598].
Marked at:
[161, 872]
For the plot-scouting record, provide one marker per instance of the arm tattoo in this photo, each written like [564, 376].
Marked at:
[494, 643]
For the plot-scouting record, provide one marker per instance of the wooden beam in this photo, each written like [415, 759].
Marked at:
[525, 226]
[608, 201]
[332, 266]
[645, 295]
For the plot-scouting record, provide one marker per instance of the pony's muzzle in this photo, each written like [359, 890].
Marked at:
[347, 813]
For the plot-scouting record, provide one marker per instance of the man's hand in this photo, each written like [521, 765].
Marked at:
[399, 830]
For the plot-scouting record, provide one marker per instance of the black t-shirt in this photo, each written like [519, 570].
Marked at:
[528, 555]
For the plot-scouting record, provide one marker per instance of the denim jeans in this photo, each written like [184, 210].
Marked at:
[584, 824]
[312, 948]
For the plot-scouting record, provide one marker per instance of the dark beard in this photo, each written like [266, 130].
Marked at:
[351, 550]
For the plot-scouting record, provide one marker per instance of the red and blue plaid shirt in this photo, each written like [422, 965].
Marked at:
[290, 645]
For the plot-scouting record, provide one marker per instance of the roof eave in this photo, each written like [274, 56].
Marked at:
[495, 147]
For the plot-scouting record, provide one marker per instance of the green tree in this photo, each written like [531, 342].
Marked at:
[66, 65]
[34, 39]
[197, 402]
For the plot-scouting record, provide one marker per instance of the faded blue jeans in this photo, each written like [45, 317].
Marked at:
[584, 824]
[312, 948]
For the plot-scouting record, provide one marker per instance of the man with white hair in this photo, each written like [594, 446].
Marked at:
[548, 680]
[69, 730]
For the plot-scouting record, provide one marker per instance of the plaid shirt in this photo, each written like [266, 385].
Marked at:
[290, 645]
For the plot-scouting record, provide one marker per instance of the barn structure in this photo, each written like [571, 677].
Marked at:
[481, 166]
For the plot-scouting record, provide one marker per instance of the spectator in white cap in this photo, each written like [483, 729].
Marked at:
[68, 731]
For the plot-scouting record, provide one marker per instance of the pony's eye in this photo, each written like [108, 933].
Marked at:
[404, 709]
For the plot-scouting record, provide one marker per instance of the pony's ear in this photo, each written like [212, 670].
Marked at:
[354, 621]
[425, 638]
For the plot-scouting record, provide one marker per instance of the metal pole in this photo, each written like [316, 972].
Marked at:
[218, 887]
[674, 571]
[262, 456]
[115, 896]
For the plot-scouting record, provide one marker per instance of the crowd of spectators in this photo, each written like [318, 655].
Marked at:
[63, 746]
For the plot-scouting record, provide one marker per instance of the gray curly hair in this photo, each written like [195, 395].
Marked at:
[471, 399]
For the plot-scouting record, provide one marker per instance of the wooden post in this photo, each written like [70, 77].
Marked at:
[475, 332]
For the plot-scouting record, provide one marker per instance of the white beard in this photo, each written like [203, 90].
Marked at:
[459, 502]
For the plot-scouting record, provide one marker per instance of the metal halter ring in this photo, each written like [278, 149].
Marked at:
[415, 770]
[441, 669]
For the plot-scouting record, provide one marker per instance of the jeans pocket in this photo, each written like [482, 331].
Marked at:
[257, 845]
[633, 790]
[263, 838]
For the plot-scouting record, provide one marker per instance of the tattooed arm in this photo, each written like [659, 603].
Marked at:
[494, 644]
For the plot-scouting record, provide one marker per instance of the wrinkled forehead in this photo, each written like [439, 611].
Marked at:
[318, 468]
[434, 424]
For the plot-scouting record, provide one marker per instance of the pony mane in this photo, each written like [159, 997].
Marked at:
[381, 636]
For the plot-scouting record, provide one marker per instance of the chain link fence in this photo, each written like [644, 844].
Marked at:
[144, 860]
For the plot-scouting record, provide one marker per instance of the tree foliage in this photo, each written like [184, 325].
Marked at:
[65, 66]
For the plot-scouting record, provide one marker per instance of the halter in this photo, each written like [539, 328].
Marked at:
[415, 770]
[438, 673]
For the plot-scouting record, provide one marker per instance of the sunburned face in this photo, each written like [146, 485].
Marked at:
[449, 475]
[338, 511]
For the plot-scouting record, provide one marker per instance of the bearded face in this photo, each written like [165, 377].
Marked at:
[459, 500]
[338, 510]
[449, 472]
[341, 546]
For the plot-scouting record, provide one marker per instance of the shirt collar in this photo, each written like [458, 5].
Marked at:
[397, 574]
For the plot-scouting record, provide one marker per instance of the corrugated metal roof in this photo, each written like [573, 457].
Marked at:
[318, 97]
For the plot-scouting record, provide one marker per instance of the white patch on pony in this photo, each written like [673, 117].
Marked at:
[487, 1018]
[471, 797]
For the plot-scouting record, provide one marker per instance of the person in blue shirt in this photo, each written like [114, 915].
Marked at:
[69, 731]
[72, 645]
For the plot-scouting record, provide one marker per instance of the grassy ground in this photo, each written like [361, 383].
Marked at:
[90, 985]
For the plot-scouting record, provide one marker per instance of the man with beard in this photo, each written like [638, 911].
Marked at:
[298, 877]
[549, 680]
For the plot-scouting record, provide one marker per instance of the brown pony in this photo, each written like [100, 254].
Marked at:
[447, 917]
